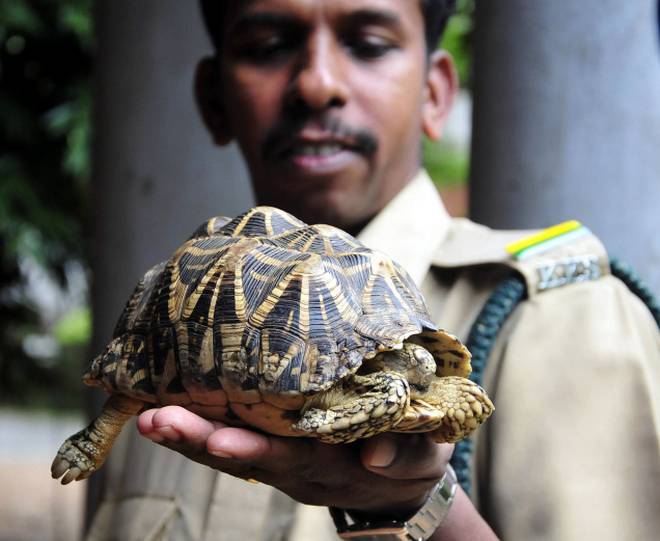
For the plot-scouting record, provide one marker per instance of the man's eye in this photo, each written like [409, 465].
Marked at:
[263, 50]
[369, 48]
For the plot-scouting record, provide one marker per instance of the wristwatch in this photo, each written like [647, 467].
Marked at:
[417, 528]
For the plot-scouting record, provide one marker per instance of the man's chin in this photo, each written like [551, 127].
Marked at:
[331, 208]
[319, 197]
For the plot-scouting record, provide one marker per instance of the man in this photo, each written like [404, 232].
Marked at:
[328, 102]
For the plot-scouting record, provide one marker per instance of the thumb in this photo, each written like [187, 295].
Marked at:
[405, 456]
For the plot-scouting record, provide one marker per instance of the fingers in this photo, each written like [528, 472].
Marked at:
[394, 456]
[218, 445]
[275, 454]
[405, 456]
[174, 424]
[387, 473]
[187, 433]
[238, 444]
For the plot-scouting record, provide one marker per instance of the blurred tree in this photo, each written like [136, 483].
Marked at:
[45, 64]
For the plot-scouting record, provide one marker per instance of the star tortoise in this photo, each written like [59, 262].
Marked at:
[294, 329]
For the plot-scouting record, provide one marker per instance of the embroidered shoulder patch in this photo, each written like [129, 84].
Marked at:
[568, 270]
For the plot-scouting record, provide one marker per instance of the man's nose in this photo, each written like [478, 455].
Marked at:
[320, 80]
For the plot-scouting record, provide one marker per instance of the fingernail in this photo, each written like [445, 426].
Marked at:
[167, 432]
[220, 453]
[383, 455]
[153, 436]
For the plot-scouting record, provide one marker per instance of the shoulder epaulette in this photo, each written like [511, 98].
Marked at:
[547, 259]
[559, 255]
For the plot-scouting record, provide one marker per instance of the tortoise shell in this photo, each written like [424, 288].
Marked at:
[261, 311]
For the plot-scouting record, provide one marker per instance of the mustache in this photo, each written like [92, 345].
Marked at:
[285, 133]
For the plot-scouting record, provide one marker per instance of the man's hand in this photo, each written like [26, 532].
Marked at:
[389, 473]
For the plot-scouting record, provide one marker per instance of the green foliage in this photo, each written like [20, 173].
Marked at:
[458, 39]
[75, 328]
[447, 162]
[19, 17]
[45, 102]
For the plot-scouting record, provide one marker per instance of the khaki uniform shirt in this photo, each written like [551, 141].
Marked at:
[572, 451]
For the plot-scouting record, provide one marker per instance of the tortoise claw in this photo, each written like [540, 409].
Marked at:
[74, 459]
[84, 452]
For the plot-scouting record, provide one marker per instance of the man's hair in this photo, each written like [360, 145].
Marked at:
[436, 14]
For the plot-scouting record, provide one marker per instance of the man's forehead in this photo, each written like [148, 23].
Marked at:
[332, 9]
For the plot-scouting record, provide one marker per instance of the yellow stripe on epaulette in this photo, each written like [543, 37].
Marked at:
[546, 240]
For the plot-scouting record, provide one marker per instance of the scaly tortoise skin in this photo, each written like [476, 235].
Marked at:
[295, 330]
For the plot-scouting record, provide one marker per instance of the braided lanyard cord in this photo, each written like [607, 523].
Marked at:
[490, 320]
[481, 339]
[628, 276]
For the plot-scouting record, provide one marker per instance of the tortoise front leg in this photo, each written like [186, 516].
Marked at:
[84, 452]
[362, 407]
[451, 408]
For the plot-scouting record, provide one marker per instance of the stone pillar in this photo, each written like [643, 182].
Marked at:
[567, 121]
[157, 175]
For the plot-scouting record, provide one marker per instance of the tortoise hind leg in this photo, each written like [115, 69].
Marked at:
[84, 452]
[364, 406]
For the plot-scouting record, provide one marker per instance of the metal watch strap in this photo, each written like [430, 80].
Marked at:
[417, 528]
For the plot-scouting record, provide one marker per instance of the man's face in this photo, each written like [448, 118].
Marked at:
[326, 101]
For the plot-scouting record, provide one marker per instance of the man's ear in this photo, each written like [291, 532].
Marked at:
[208, 96]
[441, 88]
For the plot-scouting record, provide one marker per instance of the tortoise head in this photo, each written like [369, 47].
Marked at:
[451, 356]
[411, 360]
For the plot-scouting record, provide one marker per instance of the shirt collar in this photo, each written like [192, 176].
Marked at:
[411, 227]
